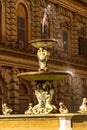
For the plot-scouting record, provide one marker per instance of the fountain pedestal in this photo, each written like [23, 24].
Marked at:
[65, 122]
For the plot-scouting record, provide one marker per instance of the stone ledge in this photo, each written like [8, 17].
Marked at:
[43, 116]
[71, 121]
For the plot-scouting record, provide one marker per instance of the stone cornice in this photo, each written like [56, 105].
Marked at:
[28, 60]
[71, 6]
[70, 61]
[69, 64]
[9, 57]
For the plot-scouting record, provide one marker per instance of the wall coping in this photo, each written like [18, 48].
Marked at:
[42, 117]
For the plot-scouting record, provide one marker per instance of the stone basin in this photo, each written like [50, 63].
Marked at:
[43, 43]
[44, 76]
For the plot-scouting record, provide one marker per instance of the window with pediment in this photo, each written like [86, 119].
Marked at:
[66, 39]
[65, 26]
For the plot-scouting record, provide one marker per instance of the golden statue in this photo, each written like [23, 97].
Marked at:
[6, 110]
[83, 107]
[44, 105]
[62, 108]
[29, 110]
[43, 56]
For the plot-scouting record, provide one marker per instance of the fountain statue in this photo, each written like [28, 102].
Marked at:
[29, 111]
[62, 108]
[43, 76]
[5, 109]
[83, 107]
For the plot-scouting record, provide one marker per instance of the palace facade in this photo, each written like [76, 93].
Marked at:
[21, 22]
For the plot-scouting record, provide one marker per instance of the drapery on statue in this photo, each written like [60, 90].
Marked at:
[6, 110]
[83, 107]
[62, 108]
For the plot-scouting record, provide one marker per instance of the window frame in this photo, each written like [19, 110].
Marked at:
[20, 29]
[82, 46]
[67, 48]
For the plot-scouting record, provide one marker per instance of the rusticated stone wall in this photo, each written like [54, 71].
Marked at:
[10, 88]
[10, 22]
[79, 91]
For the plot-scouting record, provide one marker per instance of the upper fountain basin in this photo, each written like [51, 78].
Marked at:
[42, 43]
[44, 76]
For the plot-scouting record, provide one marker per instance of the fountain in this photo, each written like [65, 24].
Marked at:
[44, 115]
[43, 76]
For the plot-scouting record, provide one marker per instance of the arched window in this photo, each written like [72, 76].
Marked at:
[65, 27]
[25, 96]
[22, 25]
[66, 39]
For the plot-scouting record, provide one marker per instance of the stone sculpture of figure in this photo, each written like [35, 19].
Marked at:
[6, 110]
[62, 108]
[43, 55]
[29, 111]
[44, 105]
[49, 107]
[83, 107]
[39, 108]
